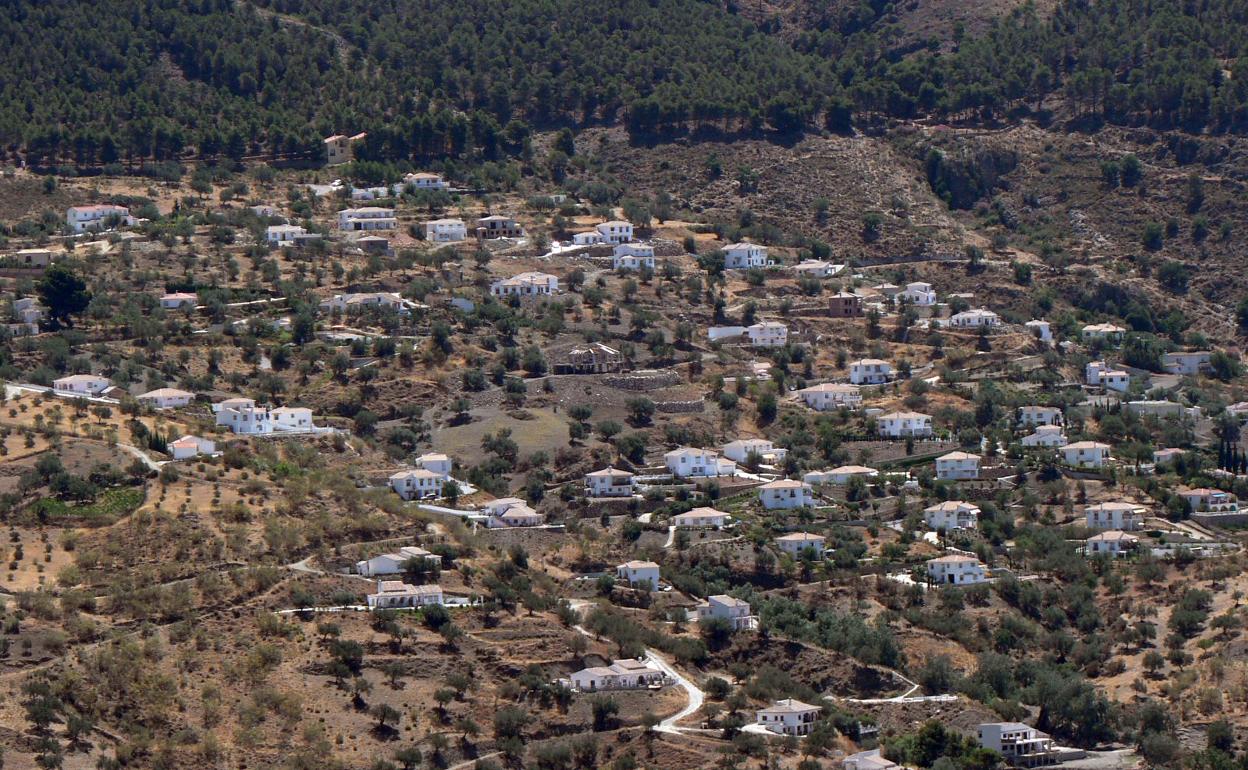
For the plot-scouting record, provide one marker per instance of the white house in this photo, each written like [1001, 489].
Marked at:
[1161, 409]
[1018, 744]
[951, 514]
[1105, 332]
[80, 385]
[632, 256]
[690, 462]
[742, 256]
[1086, 454]
[786, 493]
[445, 230]
[975, 319]
[904, 424]
[393, 563]
[512, 512]
[395, 594]
[1033, 416]
[867, 760]
[816, 268]
[100, 216]
[625, 674]
[700, 518]
[841, 475]
[1126, 517]
[292, 418]
[587, 238]
[353, 302]
[425, 180]
[728, 608]
[1113, 543]
[1204, 500]
[956, 569]
[190, 446]
[639, 574]
[788, 717]
[798, 543]
[27, 310]
[767, 334]
[179, 299]
[417, 484]
[609, 482]
[1045, 436]
[436, 462]
[1116, 380]
[165, 398]
[918, 293]
[741, 449]
[957, 465]
[526, 285]
[1186, 363]
[1167, 456]
[366, 218]
[870, 371]
[283, 235]
[242, 416]
[831, 395]
[615, 232]
[1041, 330]
[340, 148]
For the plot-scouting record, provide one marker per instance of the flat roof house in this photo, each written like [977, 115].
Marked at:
[1034, 416]
[366, 218]
[445, 230]
[632, 256]
[1019, 744]
[100, 216]
[744, 255]
[870, 371]
[615, 231]
[741, 449]
[691, 462]
[498, 226]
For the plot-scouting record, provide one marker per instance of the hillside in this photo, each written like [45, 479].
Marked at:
[135, 80]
